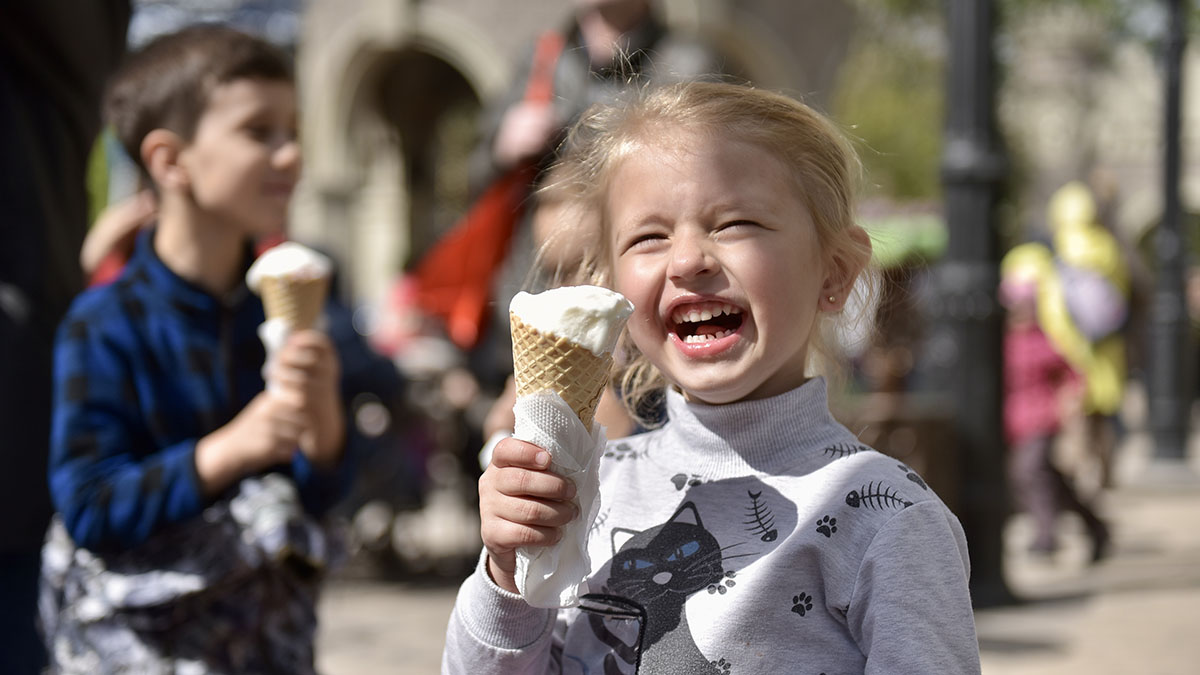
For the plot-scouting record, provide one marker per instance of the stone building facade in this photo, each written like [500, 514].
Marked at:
[391, 88]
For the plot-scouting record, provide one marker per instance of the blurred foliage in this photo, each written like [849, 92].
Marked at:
[891, 90]
[891, 96]
[97, 179]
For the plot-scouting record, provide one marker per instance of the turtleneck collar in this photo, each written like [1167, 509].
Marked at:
[768, 435]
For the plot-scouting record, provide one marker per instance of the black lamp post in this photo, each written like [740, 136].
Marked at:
[965, 340]
[1170, 357]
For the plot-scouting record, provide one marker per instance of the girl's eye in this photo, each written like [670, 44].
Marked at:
[737, 224]
[642, 241]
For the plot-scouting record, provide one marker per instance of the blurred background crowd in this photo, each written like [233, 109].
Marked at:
[413, 111]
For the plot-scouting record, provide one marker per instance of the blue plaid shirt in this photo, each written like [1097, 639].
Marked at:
[143, 368]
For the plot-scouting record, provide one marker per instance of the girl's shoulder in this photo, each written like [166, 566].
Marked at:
[869, 478]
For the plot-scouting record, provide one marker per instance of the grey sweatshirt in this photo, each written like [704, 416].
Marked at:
[755, 537]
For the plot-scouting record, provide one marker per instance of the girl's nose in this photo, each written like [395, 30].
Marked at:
[690, 257]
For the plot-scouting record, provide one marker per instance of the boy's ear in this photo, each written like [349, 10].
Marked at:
[161, 149]
[843, 268]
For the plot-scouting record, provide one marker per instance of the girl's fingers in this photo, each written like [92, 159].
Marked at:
[511, 452]
[517, 482]
[534, 512]
[504, 536]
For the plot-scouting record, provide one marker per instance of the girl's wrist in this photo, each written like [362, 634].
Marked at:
[503, 579]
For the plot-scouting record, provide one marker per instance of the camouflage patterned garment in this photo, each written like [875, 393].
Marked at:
[233, 591]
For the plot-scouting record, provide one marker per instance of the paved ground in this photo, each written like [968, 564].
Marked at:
[1136, 612]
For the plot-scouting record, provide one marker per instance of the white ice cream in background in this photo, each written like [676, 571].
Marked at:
[289, 260]
[589, 316]
[293, 281]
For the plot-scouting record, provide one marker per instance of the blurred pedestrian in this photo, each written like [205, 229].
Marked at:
[1088, 325]
[1040, 390]
[55, 56]
[189, 498]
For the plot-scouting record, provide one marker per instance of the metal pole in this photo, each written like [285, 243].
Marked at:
[1169, 399]
[966, 318]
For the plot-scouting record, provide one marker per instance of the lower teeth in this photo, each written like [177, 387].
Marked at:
[692, 339]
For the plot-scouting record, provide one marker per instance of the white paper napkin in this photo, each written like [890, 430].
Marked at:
[556, 576]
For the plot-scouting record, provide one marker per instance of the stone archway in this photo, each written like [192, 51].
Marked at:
[377, 79]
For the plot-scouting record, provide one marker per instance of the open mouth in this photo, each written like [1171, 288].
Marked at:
[702, 322]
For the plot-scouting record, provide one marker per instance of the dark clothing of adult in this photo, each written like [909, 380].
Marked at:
[650, 52]
[55, 56]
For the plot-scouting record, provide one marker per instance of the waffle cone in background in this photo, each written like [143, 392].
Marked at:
[544, 361]
[298, 301]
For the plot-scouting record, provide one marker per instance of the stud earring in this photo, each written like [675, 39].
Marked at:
[832, 298]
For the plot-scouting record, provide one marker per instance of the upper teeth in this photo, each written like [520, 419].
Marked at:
[694, 315]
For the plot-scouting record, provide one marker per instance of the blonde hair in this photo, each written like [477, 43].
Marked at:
[821, 160]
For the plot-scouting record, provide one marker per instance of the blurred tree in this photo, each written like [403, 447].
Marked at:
[890, 93]
[891, 96]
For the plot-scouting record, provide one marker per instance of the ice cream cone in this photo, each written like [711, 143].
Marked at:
[543, 361]
[297, 301]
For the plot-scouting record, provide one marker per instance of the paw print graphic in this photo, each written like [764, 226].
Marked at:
[722, 666]
[724, 584]
[802, 604]
[913, 476]
[620, 451]
[682, 479]
[827, 526]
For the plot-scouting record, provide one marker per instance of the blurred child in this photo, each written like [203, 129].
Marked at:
[187, 537]
[1040, 389]
[751, 532]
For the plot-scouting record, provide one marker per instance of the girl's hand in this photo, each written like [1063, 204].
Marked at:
[521, 503]
[307, 372]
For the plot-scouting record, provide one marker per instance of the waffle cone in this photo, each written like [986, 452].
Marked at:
[296, 301]
[544, 361]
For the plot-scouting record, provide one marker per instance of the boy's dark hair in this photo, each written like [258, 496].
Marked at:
[167, 83]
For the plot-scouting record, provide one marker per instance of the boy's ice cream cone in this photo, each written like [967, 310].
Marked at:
[293, 281]
[297, 301]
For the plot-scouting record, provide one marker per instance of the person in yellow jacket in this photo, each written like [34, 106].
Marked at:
[1083, 304]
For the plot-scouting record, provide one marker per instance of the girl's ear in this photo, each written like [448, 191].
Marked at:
[161, 150]
[842, 270]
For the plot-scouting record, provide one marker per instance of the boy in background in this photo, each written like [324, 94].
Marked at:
[188, 497]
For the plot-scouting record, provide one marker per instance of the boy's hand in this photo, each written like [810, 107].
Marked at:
[263, 434]
[307, 372]
[520, 504]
